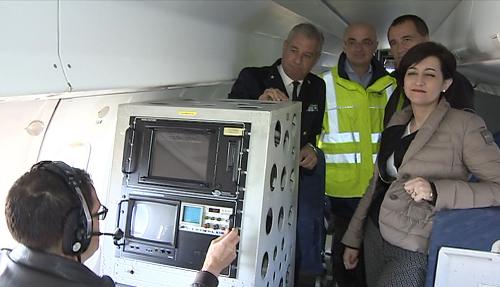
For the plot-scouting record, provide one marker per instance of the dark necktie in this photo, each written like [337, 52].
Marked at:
[295, 95]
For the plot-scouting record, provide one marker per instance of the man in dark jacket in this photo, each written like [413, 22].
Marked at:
[290, 78]
[53, 212]
[405, 32]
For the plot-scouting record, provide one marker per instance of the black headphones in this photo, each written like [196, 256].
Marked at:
[77, 232]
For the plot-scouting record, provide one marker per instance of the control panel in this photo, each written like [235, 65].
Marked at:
[150, 249]
[205, 219]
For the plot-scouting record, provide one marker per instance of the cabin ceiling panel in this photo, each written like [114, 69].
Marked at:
[318, 13]
[376, 12]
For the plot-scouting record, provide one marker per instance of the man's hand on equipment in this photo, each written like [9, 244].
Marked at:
[221, 252]
[272, 94]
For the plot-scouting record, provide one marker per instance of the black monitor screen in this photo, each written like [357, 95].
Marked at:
[154, 221]
[180, 155]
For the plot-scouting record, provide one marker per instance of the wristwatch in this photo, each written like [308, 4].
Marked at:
[315, 149]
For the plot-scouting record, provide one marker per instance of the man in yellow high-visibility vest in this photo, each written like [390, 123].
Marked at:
[357, 91]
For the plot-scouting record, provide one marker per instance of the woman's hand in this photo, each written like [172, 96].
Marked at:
[419, 189]
[351, 258]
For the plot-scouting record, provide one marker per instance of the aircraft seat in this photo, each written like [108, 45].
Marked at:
[475, 228]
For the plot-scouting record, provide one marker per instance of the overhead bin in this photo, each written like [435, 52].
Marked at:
[29, 63]
[472, 31]
[62, 47]
[129, 44]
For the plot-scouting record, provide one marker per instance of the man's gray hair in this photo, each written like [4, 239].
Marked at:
[308, 30]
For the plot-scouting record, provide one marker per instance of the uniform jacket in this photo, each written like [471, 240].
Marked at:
[252, 82]
[449, 146]
[352, 126]
[25, 267]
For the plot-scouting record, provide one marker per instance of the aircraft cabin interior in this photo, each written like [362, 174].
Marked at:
[74, 74]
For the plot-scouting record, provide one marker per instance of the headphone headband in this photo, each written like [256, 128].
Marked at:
[83, 232]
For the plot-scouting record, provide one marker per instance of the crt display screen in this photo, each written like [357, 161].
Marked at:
[192, 214]
[180, 155]
[154, 221]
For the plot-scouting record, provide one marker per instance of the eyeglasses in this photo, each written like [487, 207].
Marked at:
[101, 213]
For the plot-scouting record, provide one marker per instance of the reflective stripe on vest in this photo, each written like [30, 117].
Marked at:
[331, 103]
[346, 137]
[343, 158]
[346, 158]
[389, 91]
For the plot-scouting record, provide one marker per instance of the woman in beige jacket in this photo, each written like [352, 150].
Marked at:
[427, 153]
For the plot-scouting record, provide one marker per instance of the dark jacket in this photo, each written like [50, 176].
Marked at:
[460, 95]
[252, 82]
[25, 267]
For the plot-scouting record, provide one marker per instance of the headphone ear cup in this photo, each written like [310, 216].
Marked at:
[74, 239]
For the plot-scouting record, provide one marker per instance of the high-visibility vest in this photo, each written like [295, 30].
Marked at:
[352, 126]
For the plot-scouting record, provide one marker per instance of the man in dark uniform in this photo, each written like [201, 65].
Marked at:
[290, 78]
[405, 32]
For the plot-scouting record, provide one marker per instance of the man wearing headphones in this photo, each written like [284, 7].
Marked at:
[53, 212]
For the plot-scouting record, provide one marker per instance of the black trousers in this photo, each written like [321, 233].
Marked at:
[343, 277]
[310, 239]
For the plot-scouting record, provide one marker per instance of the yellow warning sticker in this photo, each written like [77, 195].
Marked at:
[235, 132]
[187, 113]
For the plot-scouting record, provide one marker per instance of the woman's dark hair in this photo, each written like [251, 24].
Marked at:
[423, 50]
[37, 206]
